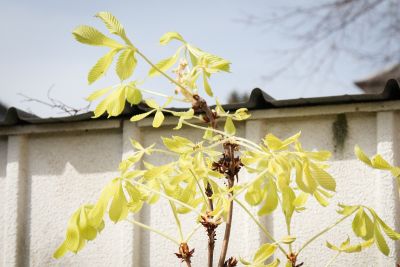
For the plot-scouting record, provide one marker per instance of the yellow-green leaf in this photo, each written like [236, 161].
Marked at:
[101, 67]
[91, 36]
[61, 250]
[229, 127]
[300, 200]
[288, 239]
[392, 234]
[152, 103]
[142, 115]
[378, 162]
[101, 108]
[346, 210]
[271, 199]
[164, 64]
[272, 142]
[291, 139]
[72, 238]
[241, 114]
[167, 37]
[380, 240]
[116, 102]
[274, 263]
[126, 64]
[98, 93]
[264, 253]
[118, 208]
[320, 198]
[158, 119]
[113, 25]
[323, 178]
[359, 223]
[362, 156]
[308, 180]
[133, 95]
[207, 87]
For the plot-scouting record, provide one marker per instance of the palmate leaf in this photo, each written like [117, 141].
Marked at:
[101, 67]
[126, 64]
[80, 229]
[91, 36]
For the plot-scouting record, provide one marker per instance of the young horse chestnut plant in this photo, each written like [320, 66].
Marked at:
[202, 179]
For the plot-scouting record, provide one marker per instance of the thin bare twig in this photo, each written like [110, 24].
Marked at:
[56, 104]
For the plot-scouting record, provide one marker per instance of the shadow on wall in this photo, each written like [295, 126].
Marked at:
[3, 156]
[87, 152]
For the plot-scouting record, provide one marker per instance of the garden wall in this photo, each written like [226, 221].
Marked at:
[47, 171]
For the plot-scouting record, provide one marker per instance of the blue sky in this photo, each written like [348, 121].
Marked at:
[38, 52]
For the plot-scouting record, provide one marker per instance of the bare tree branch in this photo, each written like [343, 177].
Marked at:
[322, 31]
[56, 104]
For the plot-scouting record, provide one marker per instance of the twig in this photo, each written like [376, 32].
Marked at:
[56, 104]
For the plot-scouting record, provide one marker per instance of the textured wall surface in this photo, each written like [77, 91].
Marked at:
[47, 172]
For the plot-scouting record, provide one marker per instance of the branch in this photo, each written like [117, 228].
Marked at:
[56, 104]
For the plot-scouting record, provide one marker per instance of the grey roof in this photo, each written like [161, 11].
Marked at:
[258, 100]
[374, 83]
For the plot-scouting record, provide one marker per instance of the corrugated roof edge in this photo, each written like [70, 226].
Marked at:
[258, 100]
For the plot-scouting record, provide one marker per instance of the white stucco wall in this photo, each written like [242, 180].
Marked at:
[47, 171]
[3, 166]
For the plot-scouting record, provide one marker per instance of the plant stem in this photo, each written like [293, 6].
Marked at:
[333, 259]
[325, 230]
[242, 141]
[162, 95]
[149, 228]
[188, 264]
[288, 222]
[167, 197]
[160, 71]
[189, 236]
[201, 190]
[265, 231]
[178, 222]
[227, 234]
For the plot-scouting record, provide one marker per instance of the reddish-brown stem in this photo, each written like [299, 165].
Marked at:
[227, 234]
[230, 166]
[200, 105]
[188, 263]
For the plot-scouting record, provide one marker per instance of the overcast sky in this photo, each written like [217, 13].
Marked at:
[37, 50]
